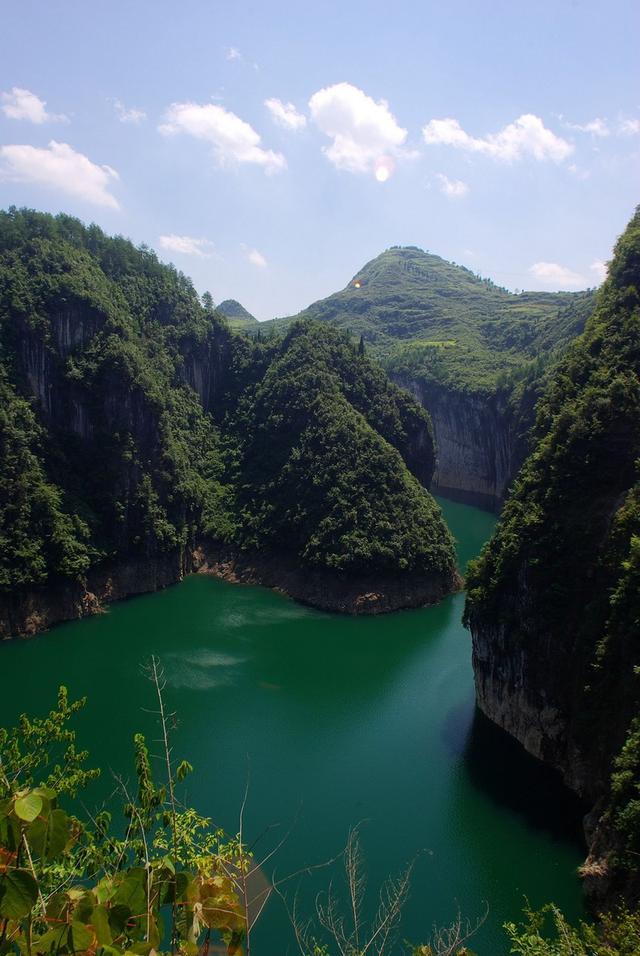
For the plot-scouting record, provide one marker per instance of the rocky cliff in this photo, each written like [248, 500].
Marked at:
[553, 602]
[481, 439]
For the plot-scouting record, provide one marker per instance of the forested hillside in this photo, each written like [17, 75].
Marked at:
[442, 323]
[475, 355]
[135, 425]
[553, 602]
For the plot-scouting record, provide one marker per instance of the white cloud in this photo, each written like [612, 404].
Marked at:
[256, 258]
[60, 167]
[578, 171]
[187, 246]
[128, 114]
[364, 132]
[526, 136]
[599, 268]
[553, 274]
[597, 127]
[233, 53]
[454, 188]
[233, 140]
[629, 127]
[285, 114]
[22, 104]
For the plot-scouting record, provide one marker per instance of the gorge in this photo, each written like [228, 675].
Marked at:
[143, 438]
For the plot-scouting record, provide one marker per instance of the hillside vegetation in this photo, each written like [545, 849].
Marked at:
[553, 601]
[134, 423]
[438, 321]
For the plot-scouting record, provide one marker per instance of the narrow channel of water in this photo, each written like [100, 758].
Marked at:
[337, 721]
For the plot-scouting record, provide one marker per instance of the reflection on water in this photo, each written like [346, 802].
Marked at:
[514, 780]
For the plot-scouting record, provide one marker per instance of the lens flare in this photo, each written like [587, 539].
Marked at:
[383, 169]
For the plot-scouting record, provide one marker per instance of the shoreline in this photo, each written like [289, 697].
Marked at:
[36, 610]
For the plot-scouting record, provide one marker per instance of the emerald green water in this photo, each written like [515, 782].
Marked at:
[337, 721]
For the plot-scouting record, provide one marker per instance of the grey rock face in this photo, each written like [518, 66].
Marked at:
[480, 442]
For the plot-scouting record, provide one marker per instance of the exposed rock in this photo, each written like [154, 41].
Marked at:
[480, 441]
[32, 611]
[327, 590]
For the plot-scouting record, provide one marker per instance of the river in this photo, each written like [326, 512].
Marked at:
[334, 721]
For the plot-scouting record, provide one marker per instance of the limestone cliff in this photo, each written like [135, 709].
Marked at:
[481, 440]
[553, 602]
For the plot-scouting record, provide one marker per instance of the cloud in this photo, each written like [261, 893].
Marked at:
[629, 127]
[553, 274]
[128, 114]
[453, 188]
[61, 167]
[285, 114]
[22, 104]
[597, 127]
[600, 269]
[525, 137]
[364, 132]
[256, 258]
[186, 246]
[233, 140]
[233, 53]
[578, 171]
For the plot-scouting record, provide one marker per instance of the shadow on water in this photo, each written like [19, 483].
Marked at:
[500, 767]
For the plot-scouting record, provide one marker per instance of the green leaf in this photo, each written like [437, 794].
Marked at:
[131, 892]
[18, 894]
[100, 921]
[51, 941]
[28, 807]
[80, 937]
[46, 793]
[49, 835]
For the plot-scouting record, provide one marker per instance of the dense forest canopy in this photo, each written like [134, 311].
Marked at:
[134, 422]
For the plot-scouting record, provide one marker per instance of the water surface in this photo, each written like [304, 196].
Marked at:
[335, 721]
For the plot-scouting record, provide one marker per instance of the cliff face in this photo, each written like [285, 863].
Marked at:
[554, 601]
[481, 440]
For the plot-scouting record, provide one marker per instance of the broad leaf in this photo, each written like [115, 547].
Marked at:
[18, 894]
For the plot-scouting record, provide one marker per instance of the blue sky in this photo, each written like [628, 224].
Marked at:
[270, 149]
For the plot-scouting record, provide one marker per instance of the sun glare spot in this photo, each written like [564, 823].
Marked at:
[384, 167]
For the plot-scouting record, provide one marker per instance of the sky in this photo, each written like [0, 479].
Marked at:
[270, 149]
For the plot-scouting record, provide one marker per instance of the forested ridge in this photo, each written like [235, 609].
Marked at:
[135, 423]
[553, 601]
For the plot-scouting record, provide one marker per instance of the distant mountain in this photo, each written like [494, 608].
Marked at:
[237, 316]
[439, 321]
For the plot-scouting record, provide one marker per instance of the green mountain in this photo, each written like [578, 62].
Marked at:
[554, 600]
[475, 356]
[440, 322]
[136, 428]
[237, 316]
